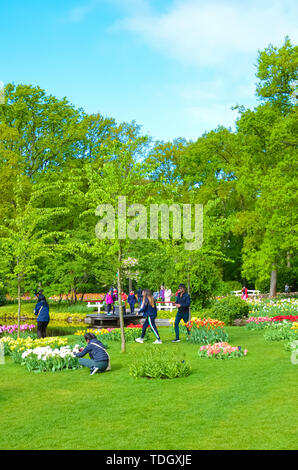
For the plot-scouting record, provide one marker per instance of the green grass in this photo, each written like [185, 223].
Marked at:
[245, 403]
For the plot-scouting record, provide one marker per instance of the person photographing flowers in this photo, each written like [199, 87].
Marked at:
[99, 359]
[183, 304]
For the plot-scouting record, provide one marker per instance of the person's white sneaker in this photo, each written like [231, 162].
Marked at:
[139, 340]
[158, 341]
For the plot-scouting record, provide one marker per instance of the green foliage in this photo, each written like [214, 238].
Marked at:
[280, 331]
[159, 364]
[229, 308]
[277, 70]
[226, 287]
[58, 164]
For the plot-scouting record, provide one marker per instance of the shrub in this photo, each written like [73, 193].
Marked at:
[229, 308]
[159, 364]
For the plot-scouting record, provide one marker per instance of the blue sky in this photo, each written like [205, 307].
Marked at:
[175, 67]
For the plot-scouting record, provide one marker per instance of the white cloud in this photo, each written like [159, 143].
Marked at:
[80, 12]
[208, 33]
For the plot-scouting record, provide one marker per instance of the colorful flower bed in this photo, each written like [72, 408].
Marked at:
[11, 329]
[273, 308]
[262, 322]
[221, 350]
[114, 334]
[205, 330]
[15, 347]
[44, 359]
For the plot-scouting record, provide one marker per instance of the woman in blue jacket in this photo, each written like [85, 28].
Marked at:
[99, 358]
[43, 316]
[148, 308]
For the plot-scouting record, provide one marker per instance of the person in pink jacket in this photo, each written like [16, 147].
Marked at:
[109, 301]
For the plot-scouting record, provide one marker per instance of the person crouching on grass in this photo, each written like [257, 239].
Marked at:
[99, 359]
[148, 308]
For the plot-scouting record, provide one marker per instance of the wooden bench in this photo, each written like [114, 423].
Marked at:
[102, 318]
[162, 305]
[250, 293]
[98, 305]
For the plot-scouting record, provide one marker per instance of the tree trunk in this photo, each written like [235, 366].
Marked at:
[188, 288]
[273, 282]
[19, 303]
[123, 346]
[289, 260]
[129, 284]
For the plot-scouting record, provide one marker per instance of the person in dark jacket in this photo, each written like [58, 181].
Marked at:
[99, 358]
[42, 310]
[149, 311]
[132, 300]
[140, 296]
[183, 304]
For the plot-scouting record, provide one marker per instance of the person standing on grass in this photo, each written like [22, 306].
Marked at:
[99, 358]
[42, 311]
[183, 304]
[149, 311]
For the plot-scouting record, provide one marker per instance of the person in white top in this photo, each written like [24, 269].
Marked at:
[168, 294]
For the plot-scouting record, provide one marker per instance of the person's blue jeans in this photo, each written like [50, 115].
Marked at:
[180, 316]
[101, 365]
[132, 308]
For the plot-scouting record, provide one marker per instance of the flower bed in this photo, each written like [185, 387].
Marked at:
[206, 330]
[15, 347]
[12, 329]
[273, 307]
[43, 359]
[280, 331]
[114, 334]
[262, 322]
[221, 350]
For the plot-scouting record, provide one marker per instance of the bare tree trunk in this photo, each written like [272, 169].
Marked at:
[123, 345]
[188, 288]
[288, 260]
[129, 284]
[19, 303]
[273, 282]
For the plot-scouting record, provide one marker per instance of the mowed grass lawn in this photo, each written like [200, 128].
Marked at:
[245, 403]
